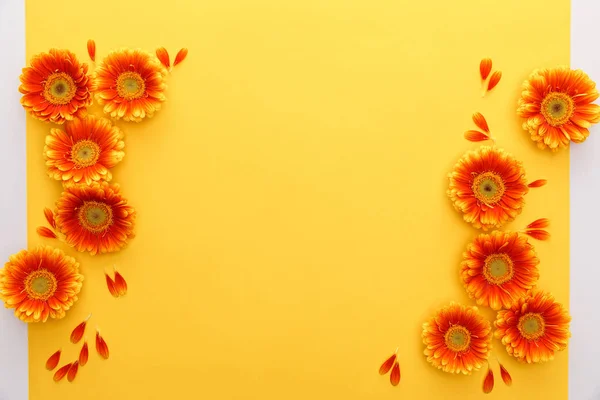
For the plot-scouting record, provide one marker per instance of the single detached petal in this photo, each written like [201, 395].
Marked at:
[395, 375]
[387, 365]
[538, 183]
[91, 48]
[494, 79]
[181, 55]
[111, 286]
[163, 56]
[72, 373]
[505, 375]
[45, 232]
[101, 346]
[50, 217]
[539, 223]
[488, 382]
[538, 234]
[120, 283]
[481, 123]
[84, 354]
[79, 330]
[476, 136]
[53, 360]
[485, 67]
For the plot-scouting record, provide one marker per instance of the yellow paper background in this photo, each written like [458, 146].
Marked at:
[292, 226]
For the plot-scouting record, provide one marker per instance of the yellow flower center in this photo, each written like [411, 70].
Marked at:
[498, 269]
[458, 338]
[130, 85]
[532, 326]
[488, 188]
[95, 217]
[557, 108]
[59, 88]
[40, 284]
[85, 153]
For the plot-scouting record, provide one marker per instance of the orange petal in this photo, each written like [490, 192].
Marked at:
[505, 375]
[62, 371]
[476, 136]
[45, 232]
[91, 46]
[488, 382]
[395, 375]
[387, 365]
[538, 183]
[494, 79]
[120, 284]
[485, 67]
[53, 361]
[163, 56]
[101, 346]
[539, 223]
[73, 371]
[84, 354]
[79, 330]
[111, 285]
[481, 123]
[50, 217]
[181, 55]
[538, 234]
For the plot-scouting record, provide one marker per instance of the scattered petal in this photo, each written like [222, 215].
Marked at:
[485, 67]
[163, 56]
[84, 354]
[79, 330]
[91, 47]
[476, 136]
[488, 382]
[494, 79]
[505, 375]
[61, 372]
[387, 365]
[73, 371]
[539, 223]
[120, 283]
[395, 375]
[50, 217]
[481, 123]
[538, 183]
[53, 360]
[45, 232]
[111, 286]
[538, 234]
[101, 346]
[181, 55]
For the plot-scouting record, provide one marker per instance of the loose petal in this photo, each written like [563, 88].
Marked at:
[91, 47]
[50, 217]
[485, 67]
[488, 382]
[111, 286]
[53, 360]
[539, 223]
[481, 123]
[163, 56]
[538, 183]
[494, 79]
[73, 371]
[120, 283]
[45, 232]
[476, 136]
[79, 330]
[395, 375]
[387, 365]
[538, 234]
[181, 55]
[61, 372]
[101, 346]
[505, 375]
[84, 354]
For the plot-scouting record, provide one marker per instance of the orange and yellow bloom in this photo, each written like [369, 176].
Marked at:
[130, 84]
[457, 339]
[488, 186]
[557, 106]
[56, 87]
[95, 218]
[85, 151]
[498, 268]
[534, 328]
[40, 284]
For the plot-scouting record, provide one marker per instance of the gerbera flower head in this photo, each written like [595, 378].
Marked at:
[85, 151]
[499, 268]
[488, 186]
[130, 84]
[40, 284]
[557, 105]
[534, 328]
[95, 218]
[457, 339]
[55, 87]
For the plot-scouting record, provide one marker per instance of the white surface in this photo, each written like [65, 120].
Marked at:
[14, 382]
[584, 350]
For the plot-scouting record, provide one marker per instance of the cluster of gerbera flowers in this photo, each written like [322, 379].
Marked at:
[91, 214]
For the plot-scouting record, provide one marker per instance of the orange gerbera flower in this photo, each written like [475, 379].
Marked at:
[130, 84]
[457, 339]
[498, 268]
[40, 283]
[488, 186]
[534, 328]
[85, 151]
[95, 218]
[55, 86]
[557, 104]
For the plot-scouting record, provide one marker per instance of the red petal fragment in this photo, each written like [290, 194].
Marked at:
[53, 361]
[476, 136]
[538, 234]
[494, 79]
[91, 47]
[84, 354]
[101, 346]
[485, 67]
[505, 375]
[111, 286]
[488, 382]
[181, 55]
[120, 283]
[538, 183]
[539, 223]
[387, 365]
[395, 375]
[61, 372]
[481, 123]
[73, 371]
[50, 217]
[163, 56]
[45, 232]
[79, 330]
